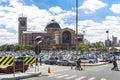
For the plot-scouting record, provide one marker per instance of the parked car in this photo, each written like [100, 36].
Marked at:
[18, 66]
[51, 61]
[66, 62]
[87, 60]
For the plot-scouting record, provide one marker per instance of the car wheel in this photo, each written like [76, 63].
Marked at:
[90, 62]
[9, 71]
[24, 70]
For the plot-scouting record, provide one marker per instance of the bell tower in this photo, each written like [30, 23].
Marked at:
[22, 26]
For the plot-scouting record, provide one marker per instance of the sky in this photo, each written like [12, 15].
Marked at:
[94, 17]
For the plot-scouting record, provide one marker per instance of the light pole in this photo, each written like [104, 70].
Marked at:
[83, 36]
[37, 50]
[107, 34]
[108, 43]
[76, 29]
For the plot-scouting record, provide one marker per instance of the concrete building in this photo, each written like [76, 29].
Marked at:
[53, 36]
[108, 43]
[114, 41]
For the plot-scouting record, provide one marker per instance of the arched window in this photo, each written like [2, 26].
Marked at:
[66, 37]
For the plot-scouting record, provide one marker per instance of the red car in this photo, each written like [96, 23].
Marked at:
[11, 68]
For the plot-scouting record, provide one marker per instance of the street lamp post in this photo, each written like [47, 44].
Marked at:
[83, 36]
[107, 34]
[37, 50]
[76, 29]
[108, 43]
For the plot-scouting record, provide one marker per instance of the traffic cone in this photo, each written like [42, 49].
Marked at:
[48, 69]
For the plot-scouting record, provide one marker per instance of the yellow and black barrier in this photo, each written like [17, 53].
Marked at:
[29, 60]
[6, 60]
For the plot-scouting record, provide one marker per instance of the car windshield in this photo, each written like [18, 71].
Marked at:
[18, 62]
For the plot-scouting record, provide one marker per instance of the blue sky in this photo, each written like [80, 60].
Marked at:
[95, 17]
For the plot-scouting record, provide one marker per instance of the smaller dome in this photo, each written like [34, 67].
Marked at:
[53, 24]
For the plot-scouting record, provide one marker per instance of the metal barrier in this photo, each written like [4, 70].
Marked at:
[6, 60]
[10, 60]
[29, 60]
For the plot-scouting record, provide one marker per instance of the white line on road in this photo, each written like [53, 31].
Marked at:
[54, 75]
[61, 70]
[103, 79]
[62, 76]
[93, 78]
[71, 77]
[80, 78]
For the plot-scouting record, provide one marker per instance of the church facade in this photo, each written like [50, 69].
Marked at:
[52, 37]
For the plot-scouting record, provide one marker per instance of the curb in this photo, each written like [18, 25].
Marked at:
[94, 64]
[22, 77]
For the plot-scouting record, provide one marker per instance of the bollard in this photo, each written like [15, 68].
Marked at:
[49, 70]
[71, 67]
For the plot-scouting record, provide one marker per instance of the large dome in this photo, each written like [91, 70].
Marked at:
[53, 24]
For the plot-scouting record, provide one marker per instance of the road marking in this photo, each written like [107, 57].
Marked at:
[61, 70]
[103, 79]
[53, 75]
[62, 76]
[80, 78]
[71, 77]
[93, 78]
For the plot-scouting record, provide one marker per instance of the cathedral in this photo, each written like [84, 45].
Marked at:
[54, 37]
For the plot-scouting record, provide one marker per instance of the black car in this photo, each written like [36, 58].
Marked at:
[51, 61]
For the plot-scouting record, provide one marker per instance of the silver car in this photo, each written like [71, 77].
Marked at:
[87, 60]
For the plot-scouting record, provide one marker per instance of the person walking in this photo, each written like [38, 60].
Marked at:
[78, 66]
[115, 66]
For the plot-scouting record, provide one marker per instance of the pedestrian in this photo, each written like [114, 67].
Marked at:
[78, 66]
[40, 61]
[115, 66]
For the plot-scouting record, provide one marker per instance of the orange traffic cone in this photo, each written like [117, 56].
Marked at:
[48, 69]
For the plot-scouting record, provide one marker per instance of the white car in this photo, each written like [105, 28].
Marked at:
[87, 60]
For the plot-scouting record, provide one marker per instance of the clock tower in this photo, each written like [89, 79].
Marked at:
[22, 26]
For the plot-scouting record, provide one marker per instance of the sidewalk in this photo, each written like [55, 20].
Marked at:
[94, 64]
[19, 75]
[31, 72]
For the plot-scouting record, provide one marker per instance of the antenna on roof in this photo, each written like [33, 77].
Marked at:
[54, 16]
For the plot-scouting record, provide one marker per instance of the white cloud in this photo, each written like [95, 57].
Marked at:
[7, 37]
[115, 8]
[36, 18]
[55, 10]
[90, 6]
[95, 31]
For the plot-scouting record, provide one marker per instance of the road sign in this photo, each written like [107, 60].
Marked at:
[29, 60]
[6, 60]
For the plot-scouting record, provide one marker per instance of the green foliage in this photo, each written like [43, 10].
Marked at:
[114, 49]
[82, 47]
[99, 47]
[6, 47]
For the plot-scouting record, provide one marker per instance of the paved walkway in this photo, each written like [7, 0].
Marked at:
[95, 64]
[32, 72]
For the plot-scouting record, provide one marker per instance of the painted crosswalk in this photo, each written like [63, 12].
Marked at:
[80, 78]
[62, 76]
[73, 77]
[70, 77]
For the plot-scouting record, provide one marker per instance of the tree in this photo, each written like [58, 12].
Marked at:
[5, 47]
[113, 49]
[99, 47]
[82, 48]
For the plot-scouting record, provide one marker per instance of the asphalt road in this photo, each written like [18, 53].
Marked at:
[102, 72]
